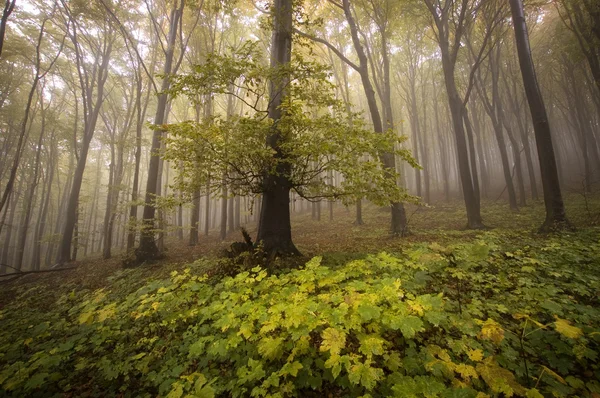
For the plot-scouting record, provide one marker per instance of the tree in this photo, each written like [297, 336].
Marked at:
[92, 78]
[9, 6]
[309, 138]
[556, 217]
[450, 21]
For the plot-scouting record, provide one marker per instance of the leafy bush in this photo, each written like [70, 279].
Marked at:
[505, 315]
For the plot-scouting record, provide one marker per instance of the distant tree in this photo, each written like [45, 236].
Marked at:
[582, 17]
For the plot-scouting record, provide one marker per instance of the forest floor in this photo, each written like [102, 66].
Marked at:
[500, 289]
[442, 222]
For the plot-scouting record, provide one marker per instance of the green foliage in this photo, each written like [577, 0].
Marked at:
[504, 315]
[315, 134]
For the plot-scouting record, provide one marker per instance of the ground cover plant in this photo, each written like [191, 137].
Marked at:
[503, 312]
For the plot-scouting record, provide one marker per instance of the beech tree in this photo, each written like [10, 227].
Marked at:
[556, 217]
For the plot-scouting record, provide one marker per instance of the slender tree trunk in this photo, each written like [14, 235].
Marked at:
[223, 226]
[9, 6]
[41, 224]
[148, 250]
[472, 156]
[11, 219]
[555, 210]
[29, 199]
[195, 218]
[91, 117]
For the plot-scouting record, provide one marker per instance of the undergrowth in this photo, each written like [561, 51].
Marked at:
[504, 313]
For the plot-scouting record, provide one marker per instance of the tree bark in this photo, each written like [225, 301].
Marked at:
[274, 227]
[148, 250]
[88, 80]
[555, 211]
[9, 7]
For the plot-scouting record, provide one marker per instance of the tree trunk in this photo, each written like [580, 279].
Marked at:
[5, 259]
[555, 211]
[41, 224]
[148, 250]
[195, 219]
[398, 221]
[274, 227]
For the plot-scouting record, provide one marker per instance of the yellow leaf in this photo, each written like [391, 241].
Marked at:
[333, 340]
[155, 305]
[86, 317]
[466, 371]
[500, 380]
[475, 355]
[106, 312]
[564, 327]
[491, 330]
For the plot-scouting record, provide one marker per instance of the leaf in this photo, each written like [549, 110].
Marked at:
[86, 317]
[371, 345]
[333, 341]
[533, 393]
[410, 326]
[466, 371]
[364, 374]
[564, 327]
[270, 348]
[500, 380]
[491, 330]
[291, 368]
[35, 381]
[369, 312]
[176, 390]
[475, 355]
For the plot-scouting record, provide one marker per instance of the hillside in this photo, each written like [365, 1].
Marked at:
[444, 312]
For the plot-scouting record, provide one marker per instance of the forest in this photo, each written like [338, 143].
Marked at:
[300, 198]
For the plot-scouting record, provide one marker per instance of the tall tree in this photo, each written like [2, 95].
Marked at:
[274, 226]
[92, 78]
[450, 20]
[9, 6]
[148, 249]
[556, 217]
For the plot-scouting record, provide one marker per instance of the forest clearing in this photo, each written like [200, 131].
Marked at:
[300, 198]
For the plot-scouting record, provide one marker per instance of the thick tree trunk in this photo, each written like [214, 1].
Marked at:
[274, 227]
[555, 211]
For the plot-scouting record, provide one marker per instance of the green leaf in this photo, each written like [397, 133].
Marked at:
[368, 312]
[410, 326]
